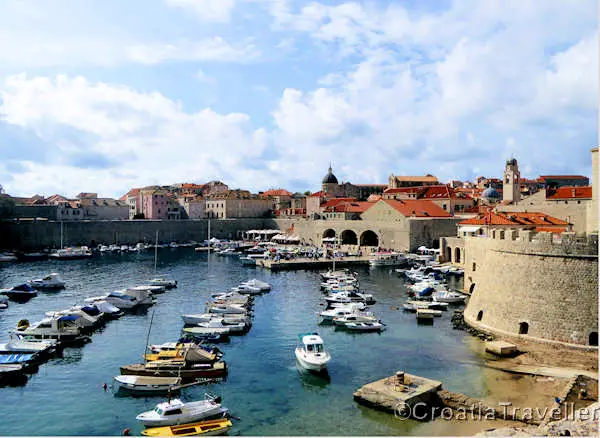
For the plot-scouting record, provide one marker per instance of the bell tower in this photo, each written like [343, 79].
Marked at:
[511, 187]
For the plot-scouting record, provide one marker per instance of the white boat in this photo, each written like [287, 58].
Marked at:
[195, 319]
[258, 284]
[227, 252]
[23, 344]
[62, 328]
[365, 326]
[311, 353]
[7, 257]
[246, 289]
[356, 317]
[445, 296]
[147, 384]
[103, 248]
[234, 327]
[356, 305]
[246, 260]
[164, 281]
[349, 297]
[71, 253]
[387, 258]
[223, 308]
[89, 317]
[114, 248]
[337, 274]
[108, 309]
[330, 314]
[51, 281]
[174, 245]
[3, 302]
[117, 299]
[124, 248]
[151, 289]
[177, 412]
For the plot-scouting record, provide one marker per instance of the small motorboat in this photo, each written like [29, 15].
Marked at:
[234, 327]
[210, 427]
[63, 328]
[3, 302]
[51, 281]
[365, 326]
[356, 305]
[110, 311]
[147, 384]
[20, 293]
[310, 352]
[259, 284]
[246, 289]
[187, 370]
[343, 320]
[195, 319]
[71, 253]
[222, 308]
[163, 281]
[444, 296]
[150, 289]
[23, 344]
[177, 412]
[330, 314]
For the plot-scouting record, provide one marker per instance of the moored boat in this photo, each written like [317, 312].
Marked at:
[147, 384]
[310, 353]
[50, 281]
[20, 293]
[365, 326]
[210, 427]
[175, 412]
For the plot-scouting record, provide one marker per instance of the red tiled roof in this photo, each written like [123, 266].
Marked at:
[335, 201]
[428, 192]
[277, 192]
[542, 178]
[319, 194]
[556, 230]
[570, 193]
[349, 207]
[132, 192]
[417, 207]
[513, 218]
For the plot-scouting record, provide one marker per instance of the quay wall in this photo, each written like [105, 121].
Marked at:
[534, 286]
[22, 235]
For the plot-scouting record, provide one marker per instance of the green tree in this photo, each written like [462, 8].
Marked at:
[7, 207]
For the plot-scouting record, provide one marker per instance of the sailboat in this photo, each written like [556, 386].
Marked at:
[160, 280]
[69, 253]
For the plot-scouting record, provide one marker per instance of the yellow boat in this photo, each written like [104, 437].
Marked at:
[176, 352]
[211, 427]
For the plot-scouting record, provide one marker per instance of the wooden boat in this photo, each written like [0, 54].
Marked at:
[147, 385]
[427, 314]
[177, 351]
[168, 368]
[365, 326]
[211, 427]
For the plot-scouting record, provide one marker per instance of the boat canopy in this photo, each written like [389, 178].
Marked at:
[23, 287]
[69, 318]
[121, 296]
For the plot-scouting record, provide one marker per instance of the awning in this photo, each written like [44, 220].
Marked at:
[470, 229]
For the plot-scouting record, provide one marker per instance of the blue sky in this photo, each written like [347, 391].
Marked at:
[102, 96]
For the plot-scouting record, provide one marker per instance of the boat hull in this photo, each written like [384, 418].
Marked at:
[217, 370]
[320, 366]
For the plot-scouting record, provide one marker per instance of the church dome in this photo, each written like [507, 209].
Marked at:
[490, 193]
[330, 177]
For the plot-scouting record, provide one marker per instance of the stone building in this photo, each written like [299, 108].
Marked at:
[395, 181]
[444, 196]
[154, 203]
[536, 286]
[237, 204]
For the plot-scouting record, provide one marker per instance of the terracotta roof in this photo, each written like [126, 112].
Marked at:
[335, 201]
[417, 207]
[556, 230]
[428, 178]
[349, 207]
[192, 186]
[373, 198]
[514, 218]
[430, 192]
[570, 193]
[277, 192]
[319, 194]
[544, 177]
[132, 192]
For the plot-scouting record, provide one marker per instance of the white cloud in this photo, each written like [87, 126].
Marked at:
[201, 76]
[207, 10]
[213, 49]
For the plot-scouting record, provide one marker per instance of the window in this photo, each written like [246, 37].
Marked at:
[479, 315]
[474, 266]
[593, 339]
[159, 211]
[173, 412]
[502, 235]
[472, 288]
[523, 328]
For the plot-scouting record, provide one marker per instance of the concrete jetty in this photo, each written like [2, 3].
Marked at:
[307, 263]
[399, 393]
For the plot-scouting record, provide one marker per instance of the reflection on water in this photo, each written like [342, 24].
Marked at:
[264, 387]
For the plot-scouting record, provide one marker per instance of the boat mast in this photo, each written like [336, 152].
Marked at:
[209, 231]
[155, 252]
[148, 337]
[334, 247]
[61, 234]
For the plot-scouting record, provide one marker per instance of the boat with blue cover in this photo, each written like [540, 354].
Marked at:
[20, 293]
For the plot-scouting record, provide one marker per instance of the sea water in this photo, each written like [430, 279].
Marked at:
[265, 388]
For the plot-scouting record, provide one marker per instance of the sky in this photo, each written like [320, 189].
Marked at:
[105, 95]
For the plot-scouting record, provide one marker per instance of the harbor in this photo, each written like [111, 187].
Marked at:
[264, 386]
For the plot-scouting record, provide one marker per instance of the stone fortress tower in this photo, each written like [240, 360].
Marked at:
[512, 182]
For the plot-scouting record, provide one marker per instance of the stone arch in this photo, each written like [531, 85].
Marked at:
[329, 233]
[523, 328]
[472, 288]
[593, 339]
[348, 237]
[479, 315]
[457, 255]
[369, 238]
[448, 254]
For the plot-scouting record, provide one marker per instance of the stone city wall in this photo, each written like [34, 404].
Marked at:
[533, 285]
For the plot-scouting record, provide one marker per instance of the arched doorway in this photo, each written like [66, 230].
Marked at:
[523, 328]
[349, 237]
[328, 233]
[457, 255]
[448, 254]
[479, 315]
[369, 238]
[593, 339]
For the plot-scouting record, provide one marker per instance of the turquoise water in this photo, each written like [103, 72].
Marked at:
[264, 388]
